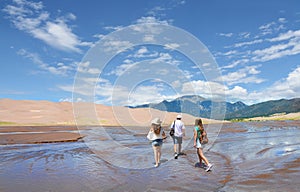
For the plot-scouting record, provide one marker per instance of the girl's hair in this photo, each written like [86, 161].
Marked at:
[156, 128]
[199, 122]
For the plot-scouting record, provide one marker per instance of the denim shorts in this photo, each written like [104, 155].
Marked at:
[177, 140]
[157, 142]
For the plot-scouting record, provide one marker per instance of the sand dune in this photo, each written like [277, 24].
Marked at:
[23, 121]
[277, 117]
[26, 112]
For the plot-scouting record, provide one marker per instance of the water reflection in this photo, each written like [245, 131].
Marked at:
[246, 156]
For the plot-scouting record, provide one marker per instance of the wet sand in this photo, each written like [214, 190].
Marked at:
[38, 134]
[247, 156]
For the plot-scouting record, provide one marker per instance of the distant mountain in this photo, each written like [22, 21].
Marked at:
[196, 106]
[201, 107]
[267, 108]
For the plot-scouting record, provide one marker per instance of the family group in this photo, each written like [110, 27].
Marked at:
[157, 136]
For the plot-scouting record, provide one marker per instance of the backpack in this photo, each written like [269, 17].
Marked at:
[202, 135]
[172, 130]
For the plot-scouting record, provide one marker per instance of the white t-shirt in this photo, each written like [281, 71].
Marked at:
[152, 136]
[179, 128]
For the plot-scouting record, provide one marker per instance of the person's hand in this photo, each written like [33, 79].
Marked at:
[195, 144]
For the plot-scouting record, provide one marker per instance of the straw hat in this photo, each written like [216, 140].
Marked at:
[156, 121]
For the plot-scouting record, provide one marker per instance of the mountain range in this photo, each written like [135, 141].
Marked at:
[201, 107]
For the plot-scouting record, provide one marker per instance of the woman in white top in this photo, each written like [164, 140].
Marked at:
[156, 135]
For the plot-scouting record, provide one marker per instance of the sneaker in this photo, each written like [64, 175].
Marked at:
[209, 166]
[156, 165]
[176, 156]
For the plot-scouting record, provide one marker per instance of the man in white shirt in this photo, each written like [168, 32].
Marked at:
[179, 133]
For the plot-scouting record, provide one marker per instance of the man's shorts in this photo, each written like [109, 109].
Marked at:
[177, 140]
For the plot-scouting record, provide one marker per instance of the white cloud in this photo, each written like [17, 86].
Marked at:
[237, 93]
[160, 11]
[176, 84]
[84, 67]
[244, 35]
[272, 27]
[282, 20]
[121, 69]
[284, 44]
[143, 52]
[293, 79]
[166, 58]
[244, 75]
[115, 45]
[279, 50]
[206, 65]
[113, 28]
[225, 34]
[149, 19]
[145, 94]
[235, 63]
[288, 88]
[58, 69]
[267, 28]
[30, 17]
[286, 36]
[118, 95]
[229, 53]
[206, 89]
[172, 46]
[248, 43]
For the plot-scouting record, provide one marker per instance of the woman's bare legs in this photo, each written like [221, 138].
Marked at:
[157, 155]
[201, 156]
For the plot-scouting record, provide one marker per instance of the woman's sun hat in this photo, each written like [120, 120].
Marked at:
[156, 121]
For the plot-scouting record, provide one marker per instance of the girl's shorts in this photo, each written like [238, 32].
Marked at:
[198, 144]
[157, 142]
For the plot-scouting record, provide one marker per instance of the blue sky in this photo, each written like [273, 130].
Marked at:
[255, 44]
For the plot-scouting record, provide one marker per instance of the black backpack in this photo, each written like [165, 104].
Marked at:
[172, 130]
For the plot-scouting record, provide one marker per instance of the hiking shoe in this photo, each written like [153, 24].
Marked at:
[209, 166]
[176, 156]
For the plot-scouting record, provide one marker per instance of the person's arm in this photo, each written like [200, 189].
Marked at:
[163, 134]
[149, 136]
[183, 129]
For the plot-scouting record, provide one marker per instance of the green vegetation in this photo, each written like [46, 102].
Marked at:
[237, 120]
[7, 123]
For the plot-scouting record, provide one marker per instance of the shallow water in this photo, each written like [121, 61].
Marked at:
[256, 156]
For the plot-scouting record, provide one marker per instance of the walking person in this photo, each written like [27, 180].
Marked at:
[156, 135]
[179, 129]
[199, 134]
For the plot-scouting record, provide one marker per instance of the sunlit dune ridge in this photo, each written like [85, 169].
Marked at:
[29, 112]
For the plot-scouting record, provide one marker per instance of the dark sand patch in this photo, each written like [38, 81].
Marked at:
[11, 129]
[32, 138]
